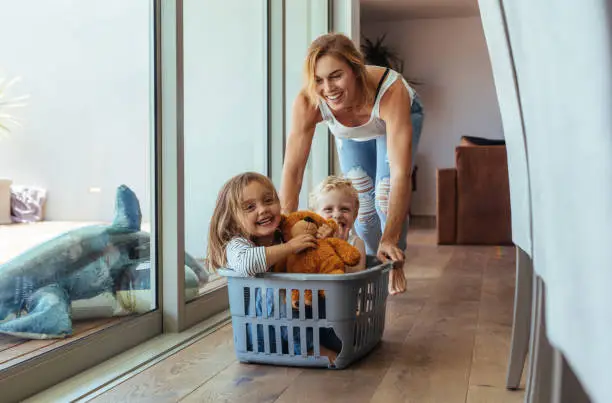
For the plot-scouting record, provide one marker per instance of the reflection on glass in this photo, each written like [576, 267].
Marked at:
[75, 199]
[225, 107]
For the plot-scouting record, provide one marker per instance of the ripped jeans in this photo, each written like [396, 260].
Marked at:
[366, 163]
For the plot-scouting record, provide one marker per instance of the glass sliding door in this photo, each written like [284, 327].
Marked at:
[225, 120]
[77, 186]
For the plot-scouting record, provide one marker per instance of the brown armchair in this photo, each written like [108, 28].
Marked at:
[473, 199]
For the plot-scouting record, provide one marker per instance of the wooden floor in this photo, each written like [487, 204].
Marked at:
[446, 340]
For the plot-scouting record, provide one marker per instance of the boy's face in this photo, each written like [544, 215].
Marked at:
[340, 207]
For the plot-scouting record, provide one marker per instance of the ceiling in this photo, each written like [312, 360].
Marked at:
[376, 10]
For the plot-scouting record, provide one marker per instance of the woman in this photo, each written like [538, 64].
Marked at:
[376, 118]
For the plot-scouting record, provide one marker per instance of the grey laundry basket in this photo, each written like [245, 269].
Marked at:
[353, 306]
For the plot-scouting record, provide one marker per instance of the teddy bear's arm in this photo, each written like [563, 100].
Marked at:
[280, 266]
[348, 253]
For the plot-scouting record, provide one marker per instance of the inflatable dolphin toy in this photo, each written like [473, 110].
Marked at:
[41, 289]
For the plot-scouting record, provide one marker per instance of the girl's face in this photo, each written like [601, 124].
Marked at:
[260, 210]
[335, 82]
[340, 207]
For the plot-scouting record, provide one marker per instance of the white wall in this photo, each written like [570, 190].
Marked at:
[225, 103]
[449, 55]
[86, 66]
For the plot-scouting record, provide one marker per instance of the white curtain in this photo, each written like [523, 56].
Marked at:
[562, 53]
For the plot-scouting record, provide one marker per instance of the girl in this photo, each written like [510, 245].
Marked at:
[243, 234]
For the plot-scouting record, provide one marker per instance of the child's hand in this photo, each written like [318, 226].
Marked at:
[301, 243]
[343, 232]
[324, 231]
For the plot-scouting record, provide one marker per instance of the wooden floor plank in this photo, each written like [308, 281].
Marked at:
[434, 362]
[179, 375]
[487, 394]
[490, 359]
[245, 383]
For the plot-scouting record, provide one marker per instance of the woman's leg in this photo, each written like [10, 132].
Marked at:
[358, 163]
[397, 279]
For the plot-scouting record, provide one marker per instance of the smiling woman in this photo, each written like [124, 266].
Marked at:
[376, 118]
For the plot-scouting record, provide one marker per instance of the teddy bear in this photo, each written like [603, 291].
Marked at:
[329, 257]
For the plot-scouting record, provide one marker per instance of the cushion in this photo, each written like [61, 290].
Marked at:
[5, 201]
[481, 141]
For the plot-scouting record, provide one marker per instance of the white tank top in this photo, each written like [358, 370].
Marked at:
[374, 127]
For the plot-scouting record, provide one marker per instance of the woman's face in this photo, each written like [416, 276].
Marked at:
[335, 82]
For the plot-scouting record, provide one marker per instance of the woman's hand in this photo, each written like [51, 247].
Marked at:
[387, 251]
[343, 232]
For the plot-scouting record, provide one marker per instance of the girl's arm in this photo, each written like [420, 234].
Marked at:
[249, 260]
[395, 111]
[246, 258]
[304, 119]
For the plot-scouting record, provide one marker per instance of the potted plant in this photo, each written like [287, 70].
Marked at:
[7, 119]
[379, 54]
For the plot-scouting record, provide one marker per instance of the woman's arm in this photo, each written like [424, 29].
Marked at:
[303, 121]
[395, 111]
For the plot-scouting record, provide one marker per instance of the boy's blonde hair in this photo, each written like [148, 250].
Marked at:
[226, 222]
[331, 183]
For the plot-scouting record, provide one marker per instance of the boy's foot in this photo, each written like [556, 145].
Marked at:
[331, 355]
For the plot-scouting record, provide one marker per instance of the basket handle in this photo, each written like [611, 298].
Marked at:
[373, 271]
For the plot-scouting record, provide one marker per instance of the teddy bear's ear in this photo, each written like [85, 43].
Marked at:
[301, 214]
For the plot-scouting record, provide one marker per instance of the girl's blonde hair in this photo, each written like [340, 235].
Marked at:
[342, 48]
[226, 222]
[331, 183]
